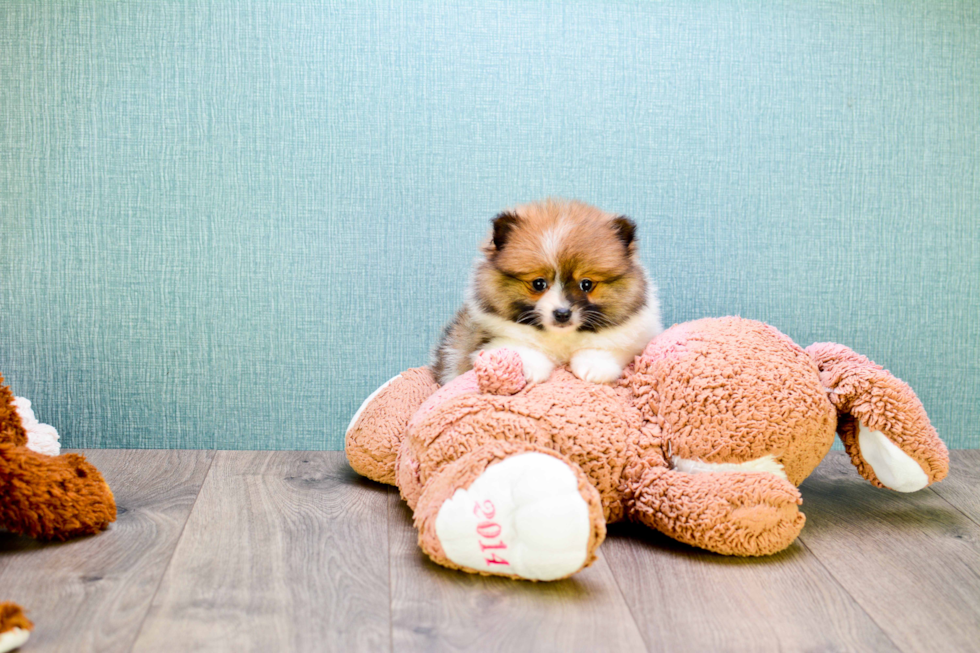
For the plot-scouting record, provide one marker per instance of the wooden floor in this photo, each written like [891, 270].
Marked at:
[291, 551]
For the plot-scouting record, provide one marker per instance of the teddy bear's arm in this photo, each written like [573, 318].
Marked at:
[881, 422]
[375, 432]
[733, 513]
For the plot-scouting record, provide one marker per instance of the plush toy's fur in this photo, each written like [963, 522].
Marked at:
[48, 497]
[705, 439]
[15, 628]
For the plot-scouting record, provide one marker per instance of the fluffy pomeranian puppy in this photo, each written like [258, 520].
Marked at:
[560, 282]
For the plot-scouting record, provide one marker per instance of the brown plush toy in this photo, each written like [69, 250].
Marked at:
[705, 438]
[43, 496]
[15, 628]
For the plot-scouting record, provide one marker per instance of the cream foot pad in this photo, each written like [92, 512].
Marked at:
[523, 516]
[894, 468]
[13, 638]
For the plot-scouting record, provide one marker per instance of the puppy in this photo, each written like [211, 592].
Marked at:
[560, 282]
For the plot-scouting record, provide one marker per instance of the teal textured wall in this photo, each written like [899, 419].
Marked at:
[223, 224]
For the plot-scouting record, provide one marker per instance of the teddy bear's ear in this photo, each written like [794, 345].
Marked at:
[11, 429]
[881, 421]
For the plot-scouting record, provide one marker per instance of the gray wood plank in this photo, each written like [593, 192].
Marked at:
[962, 487]
[686, 599]
[438, 609]
[284, 551]
[912, 561]
[92, 594]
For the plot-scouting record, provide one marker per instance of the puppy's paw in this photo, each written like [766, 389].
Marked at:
[596, 366]
[537, 366]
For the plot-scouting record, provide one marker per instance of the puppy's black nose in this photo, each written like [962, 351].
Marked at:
[562, 315]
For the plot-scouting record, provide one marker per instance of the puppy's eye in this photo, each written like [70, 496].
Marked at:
[539, 284]
[586, 285]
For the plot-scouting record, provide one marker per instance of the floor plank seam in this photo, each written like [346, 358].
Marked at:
[640, 631]
[163, 574]
[955, 507]
[857, 602]
[391, 609]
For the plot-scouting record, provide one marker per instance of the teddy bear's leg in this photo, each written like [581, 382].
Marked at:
[881, 422]
[375, 432]
[52, 497]
[511, 509]
[407, 475]
[733, 513]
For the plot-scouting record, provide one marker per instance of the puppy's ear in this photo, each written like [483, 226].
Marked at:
[503, 225]
[625, 230]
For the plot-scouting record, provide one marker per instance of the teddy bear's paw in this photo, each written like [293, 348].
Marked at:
[523, 516]
[15, 628]
[499, 372]
[894, 468]
[758, 528]
[13, 639]
[596, 366]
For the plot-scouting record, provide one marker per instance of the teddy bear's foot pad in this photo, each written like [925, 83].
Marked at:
[13, 639]
[523, 516]
[894, 468]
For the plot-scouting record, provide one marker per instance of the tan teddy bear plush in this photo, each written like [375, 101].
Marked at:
[705, 438]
